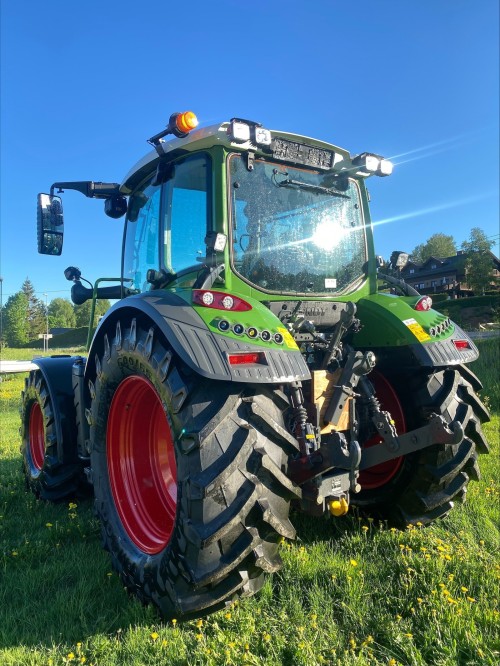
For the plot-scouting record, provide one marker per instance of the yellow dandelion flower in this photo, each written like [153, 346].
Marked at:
[481, 542]
[451, 576]
[71, 656]
[174, 621]
[72, 506]
[14, 553]
[228, 615]
[365, 528]
[354, 563]
[352, 642]
[392, 662]
[301, 645]
[83, 660]
[471, 599]
[247, 647]
[164, 642]
[49, 525]
[464, 589]
[155, 636]
[409, 635]
[451, 600]
[199, 637]
[420, 600]
[266, 637]
[199, 623]
[399, 618]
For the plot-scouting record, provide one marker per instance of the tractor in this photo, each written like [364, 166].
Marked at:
[258, 357]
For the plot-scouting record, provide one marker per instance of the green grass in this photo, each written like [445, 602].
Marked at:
[350, 592]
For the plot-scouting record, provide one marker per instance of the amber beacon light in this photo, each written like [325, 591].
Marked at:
[185, 122]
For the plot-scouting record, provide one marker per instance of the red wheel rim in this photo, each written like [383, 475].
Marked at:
[378, 475]
[141, 464]
[37, 436]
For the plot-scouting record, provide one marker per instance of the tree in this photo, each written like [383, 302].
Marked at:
[61, 314]
[478, 264]
[15, 320]
[36, 311]
[82, 312]
[438, 245]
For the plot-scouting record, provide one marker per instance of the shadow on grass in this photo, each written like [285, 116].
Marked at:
[56, 585]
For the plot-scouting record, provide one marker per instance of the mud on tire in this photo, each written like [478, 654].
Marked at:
[232, 496]
[51, 469]
[430, 481]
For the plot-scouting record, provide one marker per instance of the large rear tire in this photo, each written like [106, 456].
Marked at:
[188, 475]
[423, 486]
[51, 468]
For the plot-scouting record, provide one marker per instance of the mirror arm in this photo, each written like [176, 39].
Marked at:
[88, 188]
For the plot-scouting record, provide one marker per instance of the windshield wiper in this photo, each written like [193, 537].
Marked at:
[289, 182]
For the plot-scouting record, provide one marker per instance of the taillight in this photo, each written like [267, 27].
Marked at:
[461, 345]
[423, 304]
[219, 300]
[247, 358]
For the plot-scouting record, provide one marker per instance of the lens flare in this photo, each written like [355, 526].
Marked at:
[435, 209]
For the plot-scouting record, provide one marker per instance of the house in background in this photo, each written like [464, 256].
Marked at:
[446, 275]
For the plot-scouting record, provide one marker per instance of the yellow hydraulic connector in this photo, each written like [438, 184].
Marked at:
[338, 507]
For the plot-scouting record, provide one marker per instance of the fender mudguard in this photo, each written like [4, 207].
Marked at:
[202, 350]
[394, 330]
[57, 373]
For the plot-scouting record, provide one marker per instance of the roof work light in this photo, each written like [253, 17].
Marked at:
[369, 164]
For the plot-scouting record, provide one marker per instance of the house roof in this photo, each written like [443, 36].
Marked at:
[455, 263]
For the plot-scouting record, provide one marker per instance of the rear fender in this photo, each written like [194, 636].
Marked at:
[392, 327]
[201, 349]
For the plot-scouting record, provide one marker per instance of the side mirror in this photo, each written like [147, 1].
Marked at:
[50, 224]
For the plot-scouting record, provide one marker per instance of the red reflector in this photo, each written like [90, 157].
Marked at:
[246, 359]
[423, 304]
[461, 344]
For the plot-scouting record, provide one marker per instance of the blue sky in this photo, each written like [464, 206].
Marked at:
[84, 84]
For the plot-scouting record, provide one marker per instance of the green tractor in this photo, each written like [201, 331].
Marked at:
[259, 355]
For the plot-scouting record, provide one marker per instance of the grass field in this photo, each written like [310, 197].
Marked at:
[351, 591]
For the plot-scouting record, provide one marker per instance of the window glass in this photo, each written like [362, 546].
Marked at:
[295, 230]
[141, 235]
[186, 213]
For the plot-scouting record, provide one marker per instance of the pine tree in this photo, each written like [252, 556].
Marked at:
[37, 313]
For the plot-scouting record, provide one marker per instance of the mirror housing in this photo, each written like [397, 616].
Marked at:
[50, 224]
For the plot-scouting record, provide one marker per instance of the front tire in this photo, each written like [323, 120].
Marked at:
[51, 467]
[188, 475]
[421, 487]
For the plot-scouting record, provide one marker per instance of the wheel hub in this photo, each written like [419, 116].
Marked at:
[141, 464]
